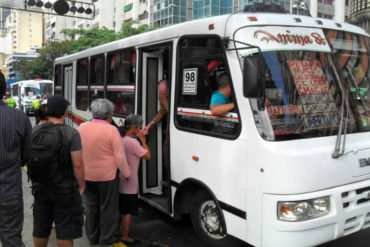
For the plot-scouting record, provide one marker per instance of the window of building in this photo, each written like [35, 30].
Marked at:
[82, 84]
[121, 81]
[58, 80]
[202, 62]
[96, 77]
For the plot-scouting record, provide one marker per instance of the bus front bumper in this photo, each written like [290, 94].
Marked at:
[349, 213]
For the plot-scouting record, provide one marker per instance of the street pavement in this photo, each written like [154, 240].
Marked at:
[154, 228]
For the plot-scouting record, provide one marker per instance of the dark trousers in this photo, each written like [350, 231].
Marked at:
[101, 211]
[11, 222]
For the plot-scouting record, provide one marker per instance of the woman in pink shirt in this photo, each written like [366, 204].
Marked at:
[103, 153]
[128, 198]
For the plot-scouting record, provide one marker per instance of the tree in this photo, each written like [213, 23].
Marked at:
[88, 38]
[42, 66]
[128, 29]
[24, 68]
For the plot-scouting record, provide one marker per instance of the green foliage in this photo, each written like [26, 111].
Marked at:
[128, 29]
[42, 67]
[89, 38]
[25, 69]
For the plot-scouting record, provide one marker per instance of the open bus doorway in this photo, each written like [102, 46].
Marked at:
[155, 67]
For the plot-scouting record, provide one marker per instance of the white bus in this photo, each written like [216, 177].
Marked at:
[25, 92]
[289, 166]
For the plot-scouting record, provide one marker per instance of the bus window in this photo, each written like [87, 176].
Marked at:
[46, 88]
[96, 78]
[202, 62]
[81, 84]
[121, 81]
[58, 80]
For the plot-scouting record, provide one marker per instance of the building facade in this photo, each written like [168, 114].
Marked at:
[360, 13]
[26, 30]
[30, 55]
[55, 24]
[129, 10]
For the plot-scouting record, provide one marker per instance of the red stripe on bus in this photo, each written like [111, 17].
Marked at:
[75, 119]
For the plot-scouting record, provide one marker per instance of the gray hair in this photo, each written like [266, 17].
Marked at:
[223, 81]
[101, 109]
[133, 120]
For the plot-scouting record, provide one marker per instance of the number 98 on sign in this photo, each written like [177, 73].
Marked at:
[190, 81]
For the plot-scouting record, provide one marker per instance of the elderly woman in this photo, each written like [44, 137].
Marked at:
[103, 154]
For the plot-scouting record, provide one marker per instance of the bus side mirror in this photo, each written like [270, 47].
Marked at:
[253, 82]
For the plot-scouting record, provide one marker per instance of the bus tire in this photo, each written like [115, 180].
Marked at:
[206, 220]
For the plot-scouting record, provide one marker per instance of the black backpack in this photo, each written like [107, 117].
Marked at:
[49, 159]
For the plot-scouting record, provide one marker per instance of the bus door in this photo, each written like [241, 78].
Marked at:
[154, 68]
[152, 72]
[68, 79]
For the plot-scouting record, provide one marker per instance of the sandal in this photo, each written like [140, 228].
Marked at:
[131, 243]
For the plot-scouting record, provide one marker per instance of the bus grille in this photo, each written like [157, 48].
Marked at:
[351, 200]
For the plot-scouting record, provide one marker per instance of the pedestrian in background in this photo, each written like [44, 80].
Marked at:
[35, 106]
[10, 101]
[42, 113]
[103, 154]
[15, 144]
[128, 197]
[57, 191]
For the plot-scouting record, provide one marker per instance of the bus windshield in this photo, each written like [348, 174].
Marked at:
[305, 89]
[31, 91]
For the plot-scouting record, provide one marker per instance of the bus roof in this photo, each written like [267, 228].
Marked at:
[32, 82]
[230, 22]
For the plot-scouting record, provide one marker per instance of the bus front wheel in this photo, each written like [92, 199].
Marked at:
[207, 221]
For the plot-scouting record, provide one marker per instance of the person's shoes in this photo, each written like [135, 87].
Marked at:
[131, 243]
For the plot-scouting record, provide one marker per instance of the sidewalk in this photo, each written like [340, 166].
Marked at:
[28, 222]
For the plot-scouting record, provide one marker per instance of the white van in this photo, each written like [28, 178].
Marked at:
[25, 92]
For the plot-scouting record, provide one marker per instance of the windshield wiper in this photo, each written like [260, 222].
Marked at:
[337, 152]
[357, 90]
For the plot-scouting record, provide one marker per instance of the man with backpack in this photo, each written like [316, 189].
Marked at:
[15, 144]
[56, 170]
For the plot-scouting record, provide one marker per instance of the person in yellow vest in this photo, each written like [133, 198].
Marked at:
[10, 101]
[36, 105]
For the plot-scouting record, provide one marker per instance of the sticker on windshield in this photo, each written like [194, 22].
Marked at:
[315, 108]
[308, 77]
[320, 121]
[190, 81]
[315, 98]
[284, 109]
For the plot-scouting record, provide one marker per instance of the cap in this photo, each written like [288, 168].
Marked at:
[57, 102]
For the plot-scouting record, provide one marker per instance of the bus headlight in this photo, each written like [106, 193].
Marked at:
[303, 210]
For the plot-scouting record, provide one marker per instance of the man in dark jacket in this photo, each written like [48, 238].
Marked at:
[15, 144]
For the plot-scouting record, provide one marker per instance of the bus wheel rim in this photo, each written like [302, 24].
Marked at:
[210, 220]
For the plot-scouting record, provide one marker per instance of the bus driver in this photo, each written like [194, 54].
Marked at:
[220, 99]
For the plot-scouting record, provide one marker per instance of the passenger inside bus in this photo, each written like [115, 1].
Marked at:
[220, 99]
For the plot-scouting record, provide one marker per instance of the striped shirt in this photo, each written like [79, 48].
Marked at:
[15, 144]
